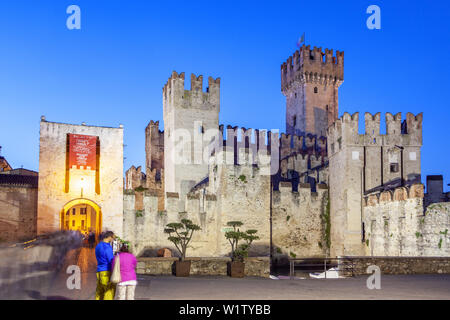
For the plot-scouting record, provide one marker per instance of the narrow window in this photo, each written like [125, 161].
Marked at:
[295, 121]
[74, 211]
[394, 167]
[315, 89]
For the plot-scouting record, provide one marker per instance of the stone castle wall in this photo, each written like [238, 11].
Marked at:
[232, 192]
[363, 163]
[18, 207]
[188, 116]
[396, 224]
[107, 193]
[299, 222]
[310, 80]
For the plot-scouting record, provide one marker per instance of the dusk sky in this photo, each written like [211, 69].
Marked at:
[112, 70]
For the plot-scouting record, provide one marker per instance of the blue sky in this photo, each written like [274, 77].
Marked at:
[112, 70]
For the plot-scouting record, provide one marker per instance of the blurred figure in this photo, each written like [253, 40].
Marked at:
[91, 239]
[85, 239]
[127, 286]
[104, 254]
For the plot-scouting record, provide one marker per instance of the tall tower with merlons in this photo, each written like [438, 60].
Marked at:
[310, 80]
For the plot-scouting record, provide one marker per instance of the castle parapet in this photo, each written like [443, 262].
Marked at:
[287, 196]
[174, 92]
[345, 131]
[310, 144]
[307, 65]
[256, 144]
[134, 177]
[397, 194]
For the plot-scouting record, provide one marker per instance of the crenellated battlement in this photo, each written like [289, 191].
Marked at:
[246, 144]
[175, 81]
[312, 66]
[155, 178]
[154, 147]
[285, 188]
[242, 157]
[345, 130]
[134, 177]
[395, 195]
[152, 125]
[175, 94]
[302, 162]
[309, 144]
[152, 131]
[253, 141]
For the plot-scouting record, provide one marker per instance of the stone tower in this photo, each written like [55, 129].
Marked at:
[362, 164]
[189, 118]
[310, 80]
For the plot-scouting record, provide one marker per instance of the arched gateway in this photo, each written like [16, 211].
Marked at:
[82, 215]
[80, 178]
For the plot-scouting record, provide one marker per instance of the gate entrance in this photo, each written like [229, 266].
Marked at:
[81, 215]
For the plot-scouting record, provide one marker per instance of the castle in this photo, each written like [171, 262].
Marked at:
[320, 189]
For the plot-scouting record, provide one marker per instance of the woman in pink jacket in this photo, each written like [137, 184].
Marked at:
[127, 284]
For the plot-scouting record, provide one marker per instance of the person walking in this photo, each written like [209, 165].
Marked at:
[104, 254]
[128, 281]
[91, 239]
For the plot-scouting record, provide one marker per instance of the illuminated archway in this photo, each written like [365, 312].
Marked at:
[73, 210]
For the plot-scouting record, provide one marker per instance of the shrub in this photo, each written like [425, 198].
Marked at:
[180, 234]
[239, 252]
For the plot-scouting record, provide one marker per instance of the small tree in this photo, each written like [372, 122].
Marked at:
[239, 252]
[180, 234]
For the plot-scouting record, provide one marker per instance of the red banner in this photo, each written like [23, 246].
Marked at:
[82, 151]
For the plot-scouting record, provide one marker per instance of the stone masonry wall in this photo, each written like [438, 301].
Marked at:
[18, 207]
[188, 116]
[401, 265]
[364, 163]
[298, 222]
[232, 193]
[396, 225]
[258, 267]
[310, 80]
[52, 196]
[144, 228]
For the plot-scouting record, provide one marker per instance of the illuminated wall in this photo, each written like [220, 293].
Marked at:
[61, 183]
